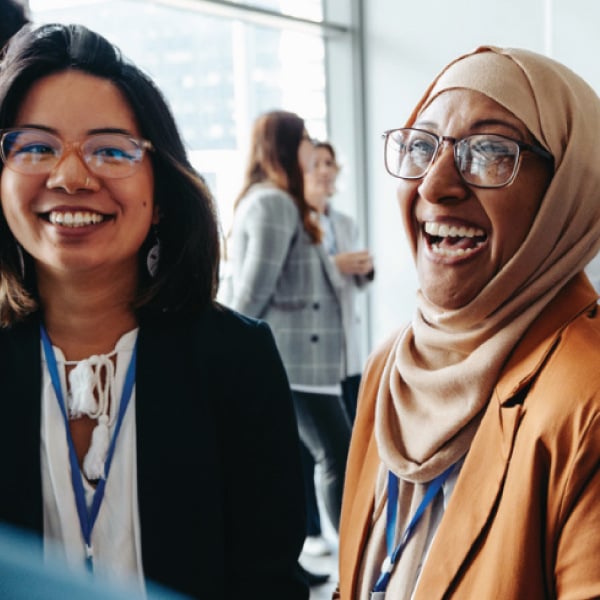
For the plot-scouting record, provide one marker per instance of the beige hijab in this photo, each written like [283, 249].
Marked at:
[443, 367]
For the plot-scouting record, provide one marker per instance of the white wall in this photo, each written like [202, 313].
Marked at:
[406, 44]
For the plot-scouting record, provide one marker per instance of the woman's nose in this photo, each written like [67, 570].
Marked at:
[442, 182]
[72, 175]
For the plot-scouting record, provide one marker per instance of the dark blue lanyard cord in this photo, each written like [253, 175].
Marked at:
[87, 519]
[393, 553]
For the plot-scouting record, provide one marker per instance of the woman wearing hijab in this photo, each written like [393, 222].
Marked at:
[474, 469]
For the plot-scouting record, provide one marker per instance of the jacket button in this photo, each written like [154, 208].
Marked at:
[316, 306]
[314, 338]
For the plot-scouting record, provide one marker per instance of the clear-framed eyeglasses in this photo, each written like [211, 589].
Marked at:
[483, 160]
[32, 151]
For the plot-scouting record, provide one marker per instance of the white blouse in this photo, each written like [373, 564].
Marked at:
[116, 539]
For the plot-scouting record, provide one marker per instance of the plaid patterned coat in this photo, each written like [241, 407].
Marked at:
[280, 276]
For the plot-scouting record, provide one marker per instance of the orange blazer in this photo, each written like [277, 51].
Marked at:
[523, 521]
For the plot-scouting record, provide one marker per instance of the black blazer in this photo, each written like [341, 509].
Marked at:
[220, 491]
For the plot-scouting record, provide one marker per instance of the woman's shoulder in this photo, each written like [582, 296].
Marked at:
[372, 373]
[216, 333]
[382, 350]
[566, 387]
[266, 206]
[578, 346]
[226, 325]
[235, 342]
[340, 217]
[226, 318]
[268, 195]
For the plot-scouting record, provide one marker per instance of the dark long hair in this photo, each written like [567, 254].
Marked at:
[12, 18]
[187, 276]
[276, 137]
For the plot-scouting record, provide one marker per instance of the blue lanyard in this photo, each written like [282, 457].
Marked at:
[393, 553]
[87, 519]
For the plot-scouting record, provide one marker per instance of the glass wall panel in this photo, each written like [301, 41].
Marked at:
[304, 9]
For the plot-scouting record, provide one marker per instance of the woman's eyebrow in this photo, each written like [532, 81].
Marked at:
[483, 123]
[89, 131]
[479, 124]
[109, 130]
[424, 125]
[36, 126]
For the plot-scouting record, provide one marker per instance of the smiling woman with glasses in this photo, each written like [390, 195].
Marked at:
[474, 467]
[127, 387]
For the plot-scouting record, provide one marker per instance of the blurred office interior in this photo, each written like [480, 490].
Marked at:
[350, 68]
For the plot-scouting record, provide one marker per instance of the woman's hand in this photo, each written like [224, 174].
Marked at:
[354, 263]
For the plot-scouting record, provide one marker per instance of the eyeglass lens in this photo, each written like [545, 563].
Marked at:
[32, 151]
[483, 160]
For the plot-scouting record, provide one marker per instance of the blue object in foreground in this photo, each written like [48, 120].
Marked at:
[24, 575]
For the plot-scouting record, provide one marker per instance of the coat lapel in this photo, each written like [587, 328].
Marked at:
[342, 230]
[331, 272]
[473, 500]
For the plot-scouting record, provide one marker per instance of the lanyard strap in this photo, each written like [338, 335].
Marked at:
[87, 519]
[393, 553]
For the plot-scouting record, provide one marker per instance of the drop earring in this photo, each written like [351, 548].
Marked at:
[153, 256]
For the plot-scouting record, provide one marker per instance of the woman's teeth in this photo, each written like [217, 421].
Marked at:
[452, 252]
[451, 241]
[75, 219]
[443, 230]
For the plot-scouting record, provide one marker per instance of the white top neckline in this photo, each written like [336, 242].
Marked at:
[116, 537]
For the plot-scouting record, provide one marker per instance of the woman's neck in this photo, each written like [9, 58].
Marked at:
[85, 315]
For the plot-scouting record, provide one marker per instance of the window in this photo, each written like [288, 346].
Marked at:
[218, 73]
[304, 9]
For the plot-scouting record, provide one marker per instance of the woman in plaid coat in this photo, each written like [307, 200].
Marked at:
[282, 274]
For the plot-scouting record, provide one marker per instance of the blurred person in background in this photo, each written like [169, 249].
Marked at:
[356, 271]
[281, 273]
[140, 437]
[354, 264]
